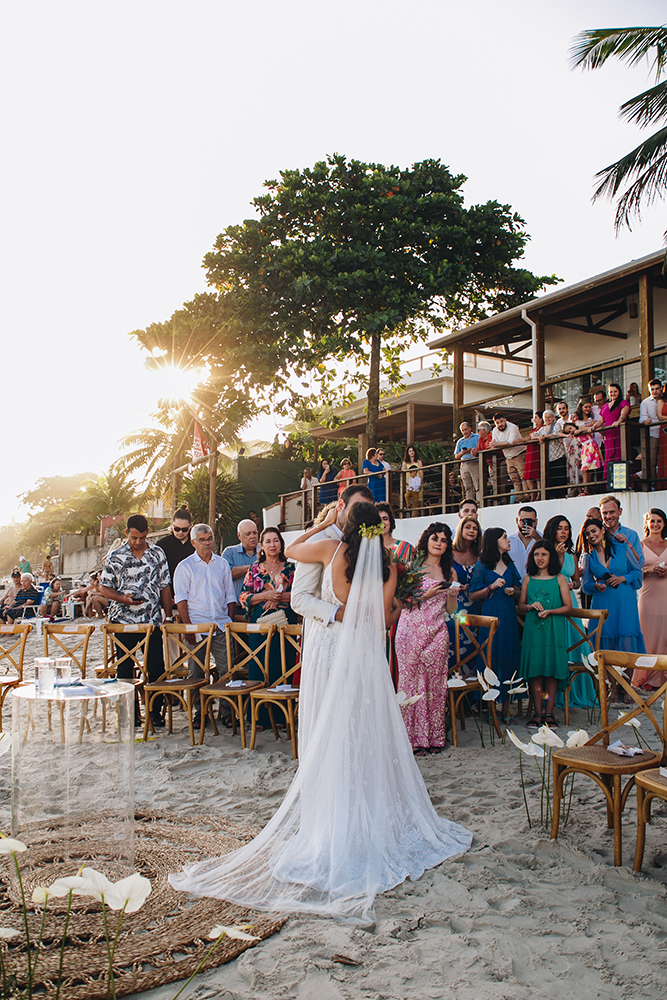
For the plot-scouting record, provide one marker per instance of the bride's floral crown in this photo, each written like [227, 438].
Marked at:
[370, 530]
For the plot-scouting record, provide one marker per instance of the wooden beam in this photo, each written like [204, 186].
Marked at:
[539, 336]
[410, 423]
[457, 390]
[619, 363]
[646, 344]
[599, 331]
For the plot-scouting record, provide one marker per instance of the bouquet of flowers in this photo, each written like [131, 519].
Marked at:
[409, 581]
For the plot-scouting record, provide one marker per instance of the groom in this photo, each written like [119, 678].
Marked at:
[306, 590]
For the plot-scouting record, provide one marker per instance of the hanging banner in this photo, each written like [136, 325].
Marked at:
[199, 443]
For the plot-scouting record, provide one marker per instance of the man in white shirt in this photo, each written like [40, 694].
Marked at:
[204, 592]
[523, 539]
[506, 433]
[648, 414]
[379, 454]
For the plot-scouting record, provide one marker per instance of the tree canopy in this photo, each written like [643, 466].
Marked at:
[345, 264]
[642, 171]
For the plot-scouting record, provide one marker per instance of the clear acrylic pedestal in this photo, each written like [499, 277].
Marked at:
[73, 778]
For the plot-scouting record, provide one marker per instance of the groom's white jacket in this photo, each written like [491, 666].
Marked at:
[306, 590]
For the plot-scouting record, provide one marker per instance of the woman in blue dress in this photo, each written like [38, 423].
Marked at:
[612, 576]
[496, 583]
[326, 475]
[377, 483]
[467, 543]
[558, 531]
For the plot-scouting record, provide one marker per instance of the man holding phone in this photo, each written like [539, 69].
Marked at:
[523, 539]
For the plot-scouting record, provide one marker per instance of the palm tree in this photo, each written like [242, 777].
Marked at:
[112, 493]
[644, 169]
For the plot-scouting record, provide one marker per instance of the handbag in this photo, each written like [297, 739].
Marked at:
[273, 618]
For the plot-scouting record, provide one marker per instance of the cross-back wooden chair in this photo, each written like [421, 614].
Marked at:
[650, 785]
[464, 628]
[594, 759]
[115, 654]
[12, 650]
[174, 682]
[234, 688]
[588, 642]
[281, 693]
[68, 640]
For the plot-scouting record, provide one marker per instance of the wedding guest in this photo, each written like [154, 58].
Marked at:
[485, 435]
[401, 550]
[465, 449]
[327, 475]
[556, 457]
[544, 599]
[422, 643]
[375, 471]
[612, 577]
[412, 465]
[307, 479]
[591, 456]
[581, 555]
[648, 415]
[572, 447]
[633, 395]
[610, 511]
[468, 508]
[614, 413]
[532, 470]
[344, 475]
[506, 433]
[26, 596]
[661, 411]
[494, 583]
[266, 588]
[242, 555]
[523, 539]
[467, 543]
[653, 597]
[10, 595]
[558, 531]
[177, 545]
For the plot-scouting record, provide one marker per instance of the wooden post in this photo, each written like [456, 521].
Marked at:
[445, 487]
[457, 390]
[362, 448]
[481, 467]
[410, 424]
[539, 334]
[212, 483]
[543, 468]
[646, 332]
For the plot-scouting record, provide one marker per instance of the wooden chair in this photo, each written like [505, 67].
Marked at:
[650, 785]
[234, 688]
[115, 654]
[287, 699]
[13, 654]
[595, 760]
[591, 644]
[69, 640]
[174, 682]
[458, 694]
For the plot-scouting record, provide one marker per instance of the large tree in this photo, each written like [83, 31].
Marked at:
[642, 171]
[345, 263]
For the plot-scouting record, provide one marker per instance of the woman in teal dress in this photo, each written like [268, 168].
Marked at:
[545, 598]
[266, 588]
[558, 531]
[495, 582]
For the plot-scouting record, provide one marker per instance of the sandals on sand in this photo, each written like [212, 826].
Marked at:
[535, 723]
[550, 721]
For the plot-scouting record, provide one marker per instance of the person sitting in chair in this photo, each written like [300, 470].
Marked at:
[27, 595]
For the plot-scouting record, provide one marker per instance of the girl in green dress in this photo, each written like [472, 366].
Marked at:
[545, 598]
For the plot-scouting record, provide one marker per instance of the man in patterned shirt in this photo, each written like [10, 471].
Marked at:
[136, 580]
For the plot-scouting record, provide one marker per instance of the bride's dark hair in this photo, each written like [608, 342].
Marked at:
[358, 514]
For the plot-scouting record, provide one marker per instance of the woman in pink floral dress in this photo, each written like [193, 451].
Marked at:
[422, 643]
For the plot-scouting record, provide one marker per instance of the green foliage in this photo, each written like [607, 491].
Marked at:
[228, 500]
[51, 490]
[299, 448]
[10, 544]
[346, 264]
[643, 171]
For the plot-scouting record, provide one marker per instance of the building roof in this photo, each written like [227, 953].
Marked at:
[592, 291]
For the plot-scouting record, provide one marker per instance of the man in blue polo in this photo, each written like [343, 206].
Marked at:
[611, 510]
[469, 461]
[242, 555]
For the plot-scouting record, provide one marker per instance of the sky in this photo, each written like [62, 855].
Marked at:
[135, 132]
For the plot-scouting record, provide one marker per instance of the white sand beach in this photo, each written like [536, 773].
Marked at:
[517, 916]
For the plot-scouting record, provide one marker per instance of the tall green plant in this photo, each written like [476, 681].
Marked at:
[228, 499]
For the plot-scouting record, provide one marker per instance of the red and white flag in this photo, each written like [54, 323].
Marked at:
[199, 443]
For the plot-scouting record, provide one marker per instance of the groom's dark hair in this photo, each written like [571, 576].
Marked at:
[356, 490]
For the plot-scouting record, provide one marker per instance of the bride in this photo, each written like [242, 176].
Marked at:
[357, 819]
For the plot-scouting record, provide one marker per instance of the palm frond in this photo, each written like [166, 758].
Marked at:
[647, 161]
[647, 108]
[592, 48]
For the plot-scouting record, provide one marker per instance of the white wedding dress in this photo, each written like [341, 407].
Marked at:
[357, 818]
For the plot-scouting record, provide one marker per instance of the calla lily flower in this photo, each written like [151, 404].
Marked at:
[237, 933]
[524, 747]
[546, 737]
[129, 894]
[491, 695]
[512, 679]
[75, 884]
[415, 698]
[484, 685]
[95, 884]
[10, 846]
[631, 722]
[520, 690]
[401, 697]
[456, 682]
[490, 677]
[576, 738]
[8, 933]
[535, 750]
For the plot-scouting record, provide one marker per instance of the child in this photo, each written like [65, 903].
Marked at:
[545, 598]
[572, 456]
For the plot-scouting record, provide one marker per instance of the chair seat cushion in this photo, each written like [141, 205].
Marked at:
[598, 758]
[655, 782]
[222, 687]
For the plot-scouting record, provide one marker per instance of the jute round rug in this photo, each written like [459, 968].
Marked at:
[161, 943]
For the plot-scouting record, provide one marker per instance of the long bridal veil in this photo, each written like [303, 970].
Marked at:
[357, 818]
